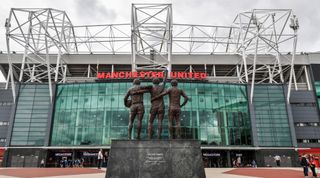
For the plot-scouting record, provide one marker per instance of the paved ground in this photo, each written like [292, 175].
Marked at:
[267, 172]
[49, 172]
[95, 173]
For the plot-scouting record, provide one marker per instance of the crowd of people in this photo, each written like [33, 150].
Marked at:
[238, 163]
[86, 159]
[64, 162]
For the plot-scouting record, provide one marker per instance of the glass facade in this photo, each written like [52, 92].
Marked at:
[271, 116]
[31, 116]
[94, 114]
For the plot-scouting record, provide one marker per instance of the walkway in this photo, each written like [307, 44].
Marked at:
[96, 173]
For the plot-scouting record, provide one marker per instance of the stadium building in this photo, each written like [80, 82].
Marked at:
[253, 96]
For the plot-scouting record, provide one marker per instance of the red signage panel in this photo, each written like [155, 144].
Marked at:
[151, 74]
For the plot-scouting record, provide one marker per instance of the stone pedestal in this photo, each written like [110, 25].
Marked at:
[155, 159]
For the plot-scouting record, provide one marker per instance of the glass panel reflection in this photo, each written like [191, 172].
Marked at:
[94, 114]
[31, 116]
[271, 116]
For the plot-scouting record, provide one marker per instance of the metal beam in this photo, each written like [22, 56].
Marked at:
[151, 34]
[151, 31]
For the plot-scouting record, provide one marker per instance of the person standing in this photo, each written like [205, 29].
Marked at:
[136, 105]
[312, 165]
[81, 162]
[100, 157]
[278, 160]
[157, 107]
[304, 163]
[254, 164]
[174, 107]
[65, 162]
[238, 163]
[42, 163]
[106, 155]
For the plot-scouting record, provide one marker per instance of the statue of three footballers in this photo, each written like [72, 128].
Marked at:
[157, 92]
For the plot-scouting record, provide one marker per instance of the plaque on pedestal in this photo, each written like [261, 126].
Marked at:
[155, 159]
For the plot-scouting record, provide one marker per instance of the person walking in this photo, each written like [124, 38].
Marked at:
[100, 157]
[304, 163]
[278, 160]
[312, 165]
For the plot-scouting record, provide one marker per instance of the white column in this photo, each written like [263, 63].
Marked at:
[292, 65]
[307, 77]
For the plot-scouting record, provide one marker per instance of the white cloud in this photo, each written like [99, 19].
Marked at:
[92, 11]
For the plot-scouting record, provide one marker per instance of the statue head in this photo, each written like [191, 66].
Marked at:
[136, 82]
[156, 81]
[174, 83]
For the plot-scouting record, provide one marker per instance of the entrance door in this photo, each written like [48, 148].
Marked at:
[241, 158]
[214, 158]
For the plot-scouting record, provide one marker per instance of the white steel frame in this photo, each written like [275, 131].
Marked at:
[39, 31]
[266, 31]
[47, 36]
[151, 34]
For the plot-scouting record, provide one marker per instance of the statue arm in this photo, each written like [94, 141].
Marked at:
[147, 88]
[186, 98]
[164, 80]
[160, 95]
[126, 97]
[143, 89]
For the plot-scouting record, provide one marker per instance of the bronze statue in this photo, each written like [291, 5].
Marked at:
[136, 105]
[157, 107]
[174, 107]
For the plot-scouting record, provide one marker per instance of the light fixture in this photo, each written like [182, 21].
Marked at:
[294, 23]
